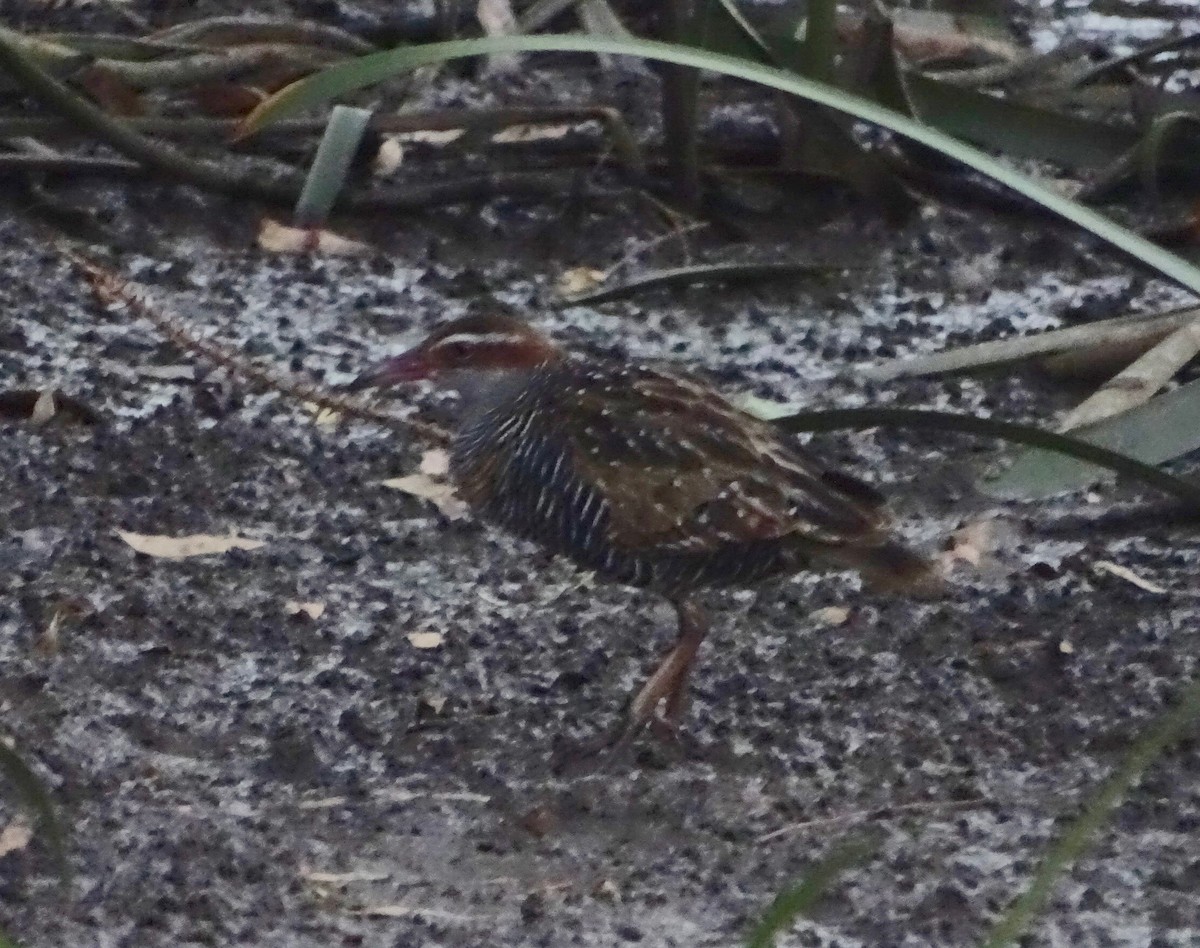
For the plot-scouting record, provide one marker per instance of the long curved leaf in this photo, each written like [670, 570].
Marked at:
[859, 418]
[368, 70]
[1160, 430]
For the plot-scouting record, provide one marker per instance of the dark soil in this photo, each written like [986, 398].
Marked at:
[214, 755]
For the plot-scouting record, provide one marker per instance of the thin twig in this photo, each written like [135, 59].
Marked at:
[112, 288]
[1148, 326]
[877, 814]
[232, 30]
[69, 164]
[209, 66]
[1169, 45]
[1135, 384]
[165, 159]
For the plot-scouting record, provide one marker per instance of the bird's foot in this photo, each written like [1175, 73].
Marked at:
[611, 746]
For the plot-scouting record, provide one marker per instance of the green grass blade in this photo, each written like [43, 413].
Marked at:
[802, 898]
[1016, 128]
[820, 39]
[1074, 842]
[1160, 430]
[728, 273]
[859, 418]
[33, 795]
[367, 70]
[331, 165]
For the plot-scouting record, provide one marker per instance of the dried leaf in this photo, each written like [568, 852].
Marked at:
[39, 407]
[14, 837]
[971, 543]
[436, 137]
[177, 548]
[497, 19]
[425, 640]
[110, 91]
[979, 544]
[580, 280]
[439, 493]
[314, 610]
[1138, 382]
[342, 878]
[830, 616]
[43, 408]
[279, 238]
[323, 416]
[324, 803]
[389, 158]
[607, 889]
[225, 99]
[531, 133]
[764, 408]
[1104, 567]
[48, 643]
[541, 821]
[435, 463]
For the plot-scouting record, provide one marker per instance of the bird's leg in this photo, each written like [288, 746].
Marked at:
[668, 684]
[693, 627]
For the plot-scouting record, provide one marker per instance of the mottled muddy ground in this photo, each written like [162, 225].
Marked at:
[215, 756]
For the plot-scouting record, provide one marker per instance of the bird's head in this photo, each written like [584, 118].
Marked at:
[472, 345]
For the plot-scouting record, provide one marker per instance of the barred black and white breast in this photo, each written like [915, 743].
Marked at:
[652, 479]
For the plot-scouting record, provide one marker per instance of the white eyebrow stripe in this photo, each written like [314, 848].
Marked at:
[486, 338]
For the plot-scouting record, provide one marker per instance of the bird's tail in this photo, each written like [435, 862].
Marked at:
[892, 567]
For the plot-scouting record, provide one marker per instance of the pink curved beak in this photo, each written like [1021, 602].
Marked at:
[409, 366]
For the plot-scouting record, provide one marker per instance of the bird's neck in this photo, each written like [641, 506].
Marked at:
[481, 391]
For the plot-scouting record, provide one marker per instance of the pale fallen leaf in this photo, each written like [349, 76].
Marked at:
[275, 237]
[178, 548]
[322, 416]
[764, 408]
[434, 702]
[1124, 572]
[15, 836]
[830, 616]
[979, 544]
[324, 803]
[971, 542]
[497, 19]
[169, 373]
[314, 610]
[607, 889]
[49, 642]
[435, 463]
[439, 493]
[342, 878]
[389, 158]
[432, 136]
[531, 133]
[44, 408]
[425, 639]
[579, 280]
